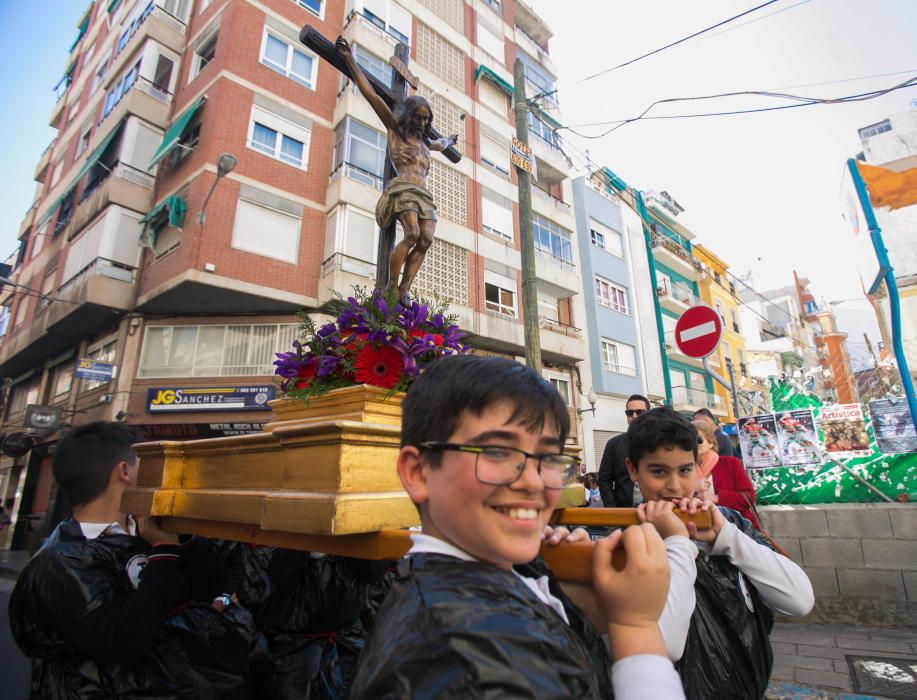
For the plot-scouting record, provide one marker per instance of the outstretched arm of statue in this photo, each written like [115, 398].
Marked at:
[379, 107]
[441, 144]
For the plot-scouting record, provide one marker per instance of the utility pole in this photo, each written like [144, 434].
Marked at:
[526, 236]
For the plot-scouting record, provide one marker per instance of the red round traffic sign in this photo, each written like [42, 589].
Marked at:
[698, 331]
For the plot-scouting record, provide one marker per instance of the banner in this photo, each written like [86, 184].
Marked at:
[844, 428]
[797, 438]
[228, 398]
[758, 441]
[892, 425]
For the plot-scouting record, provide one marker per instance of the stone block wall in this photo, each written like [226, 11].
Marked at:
[860, 557]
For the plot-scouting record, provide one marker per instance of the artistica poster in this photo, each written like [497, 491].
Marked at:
[844, 429]
[758, 440]
[893, 426]
[797, 438]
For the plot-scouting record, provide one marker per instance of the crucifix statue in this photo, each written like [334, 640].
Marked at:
[411, 138]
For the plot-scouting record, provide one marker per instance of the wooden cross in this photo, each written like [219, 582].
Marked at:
[325, 50]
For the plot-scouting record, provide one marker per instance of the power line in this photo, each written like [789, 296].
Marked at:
[752, 21]
[679, 41]
[804, 101]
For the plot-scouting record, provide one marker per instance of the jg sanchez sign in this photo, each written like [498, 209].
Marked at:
[229, 398]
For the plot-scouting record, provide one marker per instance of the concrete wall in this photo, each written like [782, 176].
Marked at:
[861, 558]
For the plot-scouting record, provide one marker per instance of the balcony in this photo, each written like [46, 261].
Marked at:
[685, 398]
[771, 331]
[341, 271]
[124, 185]
[530, 23]
[534, 49]
[548, 205]
[553, 165]
[58, 111]
[154, 23]
[145, 100]
[676, 258]
[84, 304]
[676, 296]
[671, 350]
[43, 162]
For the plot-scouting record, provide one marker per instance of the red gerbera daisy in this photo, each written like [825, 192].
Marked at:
[306, 375]
[378, 366]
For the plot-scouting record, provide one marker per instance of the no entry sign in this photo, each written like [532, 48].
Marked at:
[698, 331]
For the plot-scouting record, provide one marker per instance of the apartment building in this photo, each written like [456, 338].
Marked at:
[718, 291]
[211, 176]
[623, 355]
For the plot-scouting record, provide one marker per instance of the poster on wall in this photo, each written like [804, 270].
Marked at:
[893, 426]
[844, 429]
[797, 438]
[758, 440]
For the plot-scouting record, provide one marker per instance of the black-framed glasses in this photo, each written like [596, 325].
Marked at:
[700, 440]
[634, 411]
[500, 466]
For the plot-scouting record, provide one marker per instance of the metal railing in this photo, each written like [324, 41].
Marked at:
[552, 324]
[355, 172]
[548, 197]
[694, 397]
[660, 240]
[554, 260]
[102, 267]
[678, 291]
[347, 263]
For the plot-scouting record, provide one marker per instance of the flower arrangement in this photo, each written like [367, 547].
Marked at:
[376, 339]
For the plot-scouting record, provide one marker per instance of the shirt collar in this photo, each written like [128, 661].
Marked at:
[427, 544]
[93, 530]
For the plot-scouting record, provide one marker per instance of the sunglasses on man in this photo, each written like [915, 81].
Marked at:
[634, 411]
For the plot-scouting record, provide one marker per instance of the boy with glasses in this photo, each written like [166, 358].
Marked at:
[471, 614]
[615, 485]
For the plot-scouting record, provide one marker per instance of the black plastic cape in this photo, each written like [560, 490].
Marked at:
[460, 629]
[728, 652]
[198, 653]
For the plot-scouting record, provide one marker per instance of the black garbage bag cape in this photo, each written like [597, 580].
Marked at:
[728, 652]
[460, 629]
[313, 624]
[198, 653]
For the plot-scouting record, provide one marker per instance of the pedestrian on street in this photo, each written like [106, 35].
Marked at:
[724, 444]
[615, 486]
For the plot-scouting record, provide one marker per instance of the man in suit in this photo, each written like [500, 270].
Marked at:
[615, 485]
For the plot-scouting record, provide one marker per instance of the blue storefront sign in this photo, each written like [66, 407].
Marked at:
[223, 398]
[95, 371]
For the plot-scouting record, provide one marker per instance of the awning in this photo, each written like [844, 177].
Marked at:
[494, 78]
[175, 132]
[169, 211]
[48, 214]
[112, 5]
[98, 152]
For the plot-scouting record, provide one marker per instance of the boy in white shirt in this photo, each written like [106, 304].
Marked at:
[740, 579]
[481, 457]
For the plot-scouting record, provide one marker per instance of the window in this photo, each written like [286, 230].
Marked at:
[313, 6]
[20, 312]
[120, 89]
[499, 293]
[278, 138]
[735, 320]
[719, 310]
[497, 214]
[177, 8]
[606, 238]
[875, 129]
[56, 173]
[266, 231]
[494, 152]
[83, 142]
[162, 78]
[204, 53]
[542, 130]
[537, 77]
[74, 110]
[491, 41]
[493, 97]
[4, 319]
[563, 388]
[105, 352]
[618, 357]
[552, 241]
[373, 65]
[297, 65]
[361, 152]
[354, 233]
[214, 351]
[63, 379]
[87, 54]
[99, 77]
[611, 295]
[389, 16]
[549, 307]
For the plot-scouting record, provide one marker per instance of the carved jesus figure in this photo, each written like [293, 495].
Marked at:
[406, 197]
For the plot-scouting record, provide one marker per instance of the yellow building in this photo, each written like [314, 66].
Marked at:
[718, 290]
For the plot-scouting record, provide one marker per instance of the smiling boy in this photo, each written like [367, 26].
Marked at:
[740, 579]
[481, 458]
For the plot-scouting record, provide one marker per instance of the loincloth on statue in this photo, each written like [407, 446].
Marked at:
[403, 195]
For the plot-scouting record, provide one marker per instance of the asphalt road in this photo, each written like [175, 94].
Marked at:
[14, 667]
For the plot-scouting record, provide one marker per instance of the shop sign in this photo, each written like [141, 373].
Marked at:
[94, 371]
[229, 398]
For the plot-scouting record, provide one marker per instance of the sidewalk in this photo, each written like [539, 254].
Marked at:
[11, 563]
[824, 661]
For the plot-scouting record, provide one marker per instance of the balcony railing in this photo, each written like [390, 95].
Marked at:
[355, 172]
[555, 260]
[769, 331]
[694, 397]
[678, 291]
[347, 263]
[553, 146]
[558, 327]
[548, 197]
[660, 240]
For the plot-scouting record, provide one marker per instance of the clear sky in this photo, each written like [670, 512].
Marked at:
[761, 190]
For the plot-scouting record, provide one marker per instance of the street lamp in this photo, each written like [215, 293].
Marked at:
[591, 398]
[225, 164]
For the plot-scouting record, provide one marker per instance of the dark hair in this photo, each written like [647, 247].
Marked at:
[404, 111]
[660, 427]
[435, 402]
[707, 414]
[85, 456]
[639, 397]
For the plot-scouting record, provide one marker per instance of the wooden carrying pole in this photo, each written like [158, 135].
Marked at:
[569, 561]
